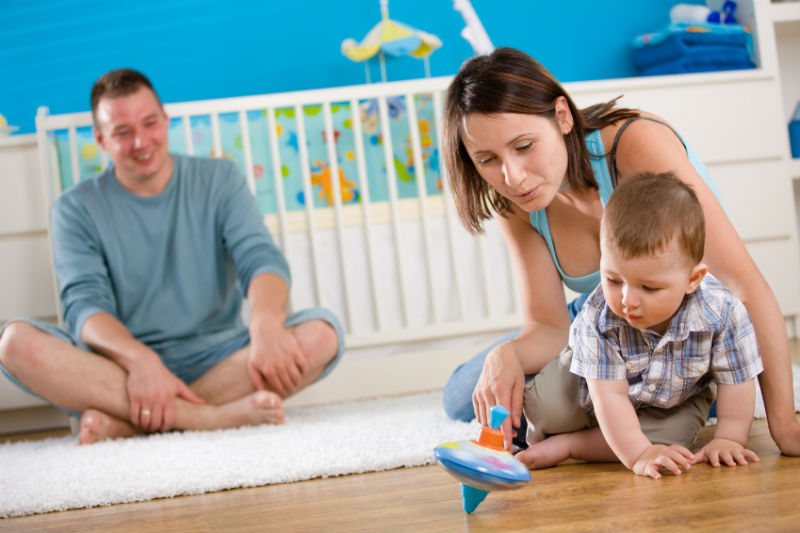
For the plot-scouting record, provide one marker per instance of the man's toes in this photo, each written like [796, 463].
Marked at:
[266, 399]
[90, 423]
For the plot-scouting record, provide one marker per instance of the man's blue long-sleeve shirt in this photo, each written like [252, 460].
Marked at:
[173, 267]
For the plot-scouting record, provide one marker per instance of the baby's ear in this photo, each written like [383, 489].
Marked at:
[698, 273]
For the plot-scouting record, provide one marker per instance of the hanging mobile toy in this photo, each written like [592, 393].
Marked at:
[482, 465]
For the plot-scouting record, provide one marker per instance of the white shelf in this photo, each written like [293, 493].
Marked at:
[17, 140]
[785, 12]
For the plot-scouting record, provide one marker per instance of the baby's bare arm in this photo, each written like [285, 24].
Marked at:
[621, 428]
[735, 405]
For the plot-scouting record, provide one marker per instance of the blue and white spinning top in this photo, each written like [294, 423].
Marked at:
[483, 465]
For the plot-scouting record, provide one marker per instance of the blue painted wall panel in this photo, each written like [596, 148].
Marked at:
[52, 51]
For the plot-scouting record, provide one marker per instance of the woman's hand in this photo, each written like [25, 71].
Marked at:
[502, 382]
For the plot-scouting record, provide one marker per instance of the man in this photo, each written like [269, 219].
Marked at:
[153, 258]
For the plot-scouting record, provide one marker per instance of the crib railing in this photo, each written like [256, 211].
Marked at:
[396, 266]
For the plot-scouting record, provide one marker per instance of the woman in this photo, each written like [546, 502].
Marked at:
[516, 145]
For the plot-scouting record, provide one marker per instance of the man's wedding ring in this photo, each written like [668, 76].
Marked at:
[145, 412]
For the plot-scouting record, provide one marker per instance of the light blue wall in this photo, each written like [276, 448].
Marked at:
[51, 51]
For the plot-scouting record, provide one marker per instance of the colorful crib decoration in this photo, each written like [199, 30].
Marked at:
[200, 136]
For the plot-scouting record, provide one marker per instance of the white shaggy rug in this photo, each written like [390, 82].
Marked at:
[57, 474]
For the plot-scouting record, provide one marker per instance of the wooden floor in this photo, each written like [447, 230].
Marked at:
[762, 496]
[576, 497]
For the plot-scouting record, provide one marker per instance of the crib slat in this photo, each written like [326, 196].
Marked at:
[491, 307]
[336, 189]
[309, 201]
[280, 199]
[244, 128]
[363, 187]
[275, 156]
[391, 176]
[515, 294]
[422, 193]
[215, 135]
[187, 134]
[73, 155]
[452, 223]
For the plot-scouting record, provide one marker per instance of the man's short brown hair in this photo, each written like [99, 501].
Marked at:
[647, 210]
[120, 82]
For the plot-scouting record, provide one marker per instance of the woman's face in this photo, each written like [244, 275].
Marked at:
[523, 157]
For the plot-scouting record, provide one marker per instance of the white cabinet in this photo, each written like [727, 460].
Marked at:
[26, 279]
[786, 20]
[785, 17]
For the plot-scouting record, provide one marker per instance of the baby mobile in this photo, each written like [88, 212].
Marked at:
[390, 39]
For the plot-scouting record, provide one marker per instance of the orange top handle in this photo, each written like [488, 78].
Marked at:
[491, 438]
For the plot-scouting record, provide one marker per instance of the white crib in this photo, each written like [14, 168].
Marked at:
[415, 292]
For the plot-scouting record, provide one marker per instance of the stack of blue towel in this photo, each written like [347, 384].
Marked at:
[693, 47]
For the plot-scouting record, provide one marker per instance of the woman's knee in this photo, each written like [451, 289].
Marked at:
[457, 396]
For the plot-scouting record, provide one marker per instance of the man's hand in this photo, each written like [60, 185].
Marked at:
[658, 457]
[502, 382]
[152, 389]
[275, 358]
[725, 451]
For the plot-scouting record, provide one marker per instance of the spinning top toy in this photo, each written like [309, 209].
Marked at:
[482, 465]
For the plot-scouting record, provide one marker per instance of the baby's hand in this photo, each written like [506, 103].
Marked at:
[725, 451]
[658, 457]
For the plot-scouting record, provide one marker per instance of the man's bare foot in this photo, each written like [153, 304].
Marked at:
[97, 426]
[260, 407]
[546, 453]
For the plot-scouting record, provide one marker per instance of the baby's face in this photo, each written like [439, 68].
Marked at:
[646, 291]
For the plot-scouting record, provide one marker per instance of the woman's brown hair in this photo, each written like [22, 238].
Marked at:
[510, 81]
